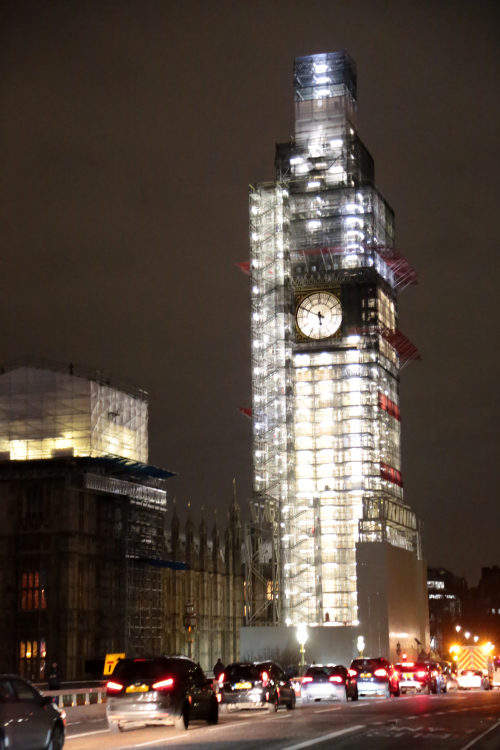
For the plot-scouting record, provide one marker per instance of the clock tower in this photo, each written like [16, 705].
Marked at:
[326, 353]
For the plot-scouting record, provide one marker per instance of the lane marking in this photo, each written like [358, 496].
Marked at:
[325, 737]
[473, 742]
[159, 741]
[326, 710]
[85, 734]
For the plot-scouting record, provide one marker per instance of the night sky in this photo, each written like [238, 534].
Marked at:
[129, 134]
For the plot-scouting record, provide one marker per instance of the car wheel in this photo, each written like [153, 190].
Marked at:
[355, 695]
[291, 705]
[272, 706]
[115, 728]
[57, 739]
[397, 692]
[182, 722]
[213, 716]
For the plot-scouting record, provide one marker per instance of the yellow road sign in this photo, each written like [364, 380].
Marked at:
[110, 663]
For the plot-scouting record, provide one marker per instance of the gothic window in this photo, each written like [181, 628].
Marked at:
[32, 658]
[32, 590]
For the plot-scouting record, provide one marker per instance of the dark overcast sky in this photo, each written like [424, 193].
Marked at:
[129, 134]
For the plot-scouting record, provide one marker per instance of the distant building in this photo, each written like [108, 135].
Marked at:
[488, 591]
[84, 560]
[447, 594]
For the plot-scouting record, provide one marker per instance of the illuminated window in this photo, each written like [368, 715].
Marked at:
[32, 658]
[386, 311]
[32, 591]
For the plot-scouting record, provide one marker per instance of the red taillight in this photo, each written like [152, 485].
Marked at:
[352, 673]
[336, 678]
[114, 687]
[307, 679]
[421, 674]
[163, 684]
[221, 679]
[265, 679]
[380, 673]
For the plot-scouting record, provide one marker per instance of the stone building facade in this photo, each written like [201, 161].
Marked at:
[86, 571]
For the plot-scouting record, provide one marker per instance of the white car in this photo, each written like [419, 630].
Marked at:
[468, 679]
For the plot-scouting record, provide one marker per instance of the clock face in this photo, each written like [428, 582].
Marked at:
[319, 315]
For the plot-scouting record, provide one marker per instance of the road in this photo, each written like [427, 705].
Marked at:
[455, 721]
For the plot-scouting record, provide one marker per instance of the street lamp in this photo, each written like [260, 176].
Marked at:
[458, 628]
[476, 638]
[189, 621]
[361, 645]
[302, 638]
[467, 634]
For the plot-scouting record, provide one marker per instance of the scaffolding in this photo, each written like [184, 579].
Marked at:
[326, 419]
[48, 410]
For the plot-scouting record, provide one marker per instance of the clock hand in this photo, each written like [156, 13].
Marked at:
[320, 317]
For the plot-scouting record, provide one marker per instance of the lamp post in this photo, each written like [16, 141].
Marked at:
[302, 638]
[189, 620]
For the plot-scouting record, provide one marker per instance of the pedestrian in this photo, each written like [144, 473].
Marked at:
[54, 677]
[218, 669]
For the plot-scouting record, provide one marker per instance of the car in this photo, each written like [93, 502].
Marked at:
[375, 676]
[470, 678]
[328, 683]
[160, 690]
[450, 682]
[254, 685]
[28, 720]
[417, 677]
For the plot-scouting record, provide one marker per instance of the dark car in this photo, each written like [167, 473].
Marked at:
[418, 677]
[28, 720]
[375, 676]
[328, 683]
[159, 691]
[245, 685]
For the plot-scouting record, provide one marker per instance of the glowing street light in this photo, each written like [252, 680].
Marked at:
[476, 638]
[458, 628]
[302, 639]
[467, 635]
[361, 645]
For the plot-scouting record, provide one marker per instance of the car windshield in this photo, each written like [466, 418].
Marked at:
[244, 672]
[365, 665]
[131, 670]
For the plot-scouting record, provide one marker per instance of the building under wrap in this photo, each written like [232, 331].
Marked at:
[326, 356]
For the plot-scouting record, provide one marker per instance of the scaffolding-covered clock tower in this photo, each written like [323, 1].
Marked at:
[326, 354]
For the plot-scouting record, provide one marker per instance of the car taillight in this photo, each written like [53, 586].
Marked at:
[421, 674]
[380, 673]
[114, 687]
[221, 679]
[307, 679]
[219, 697]
[163, 684]
[265, 679]
[352, 673]
[336, 678]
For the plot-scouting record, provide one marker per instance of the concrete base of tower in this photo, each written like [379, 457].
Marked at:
[393, 615]
[393, 608]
